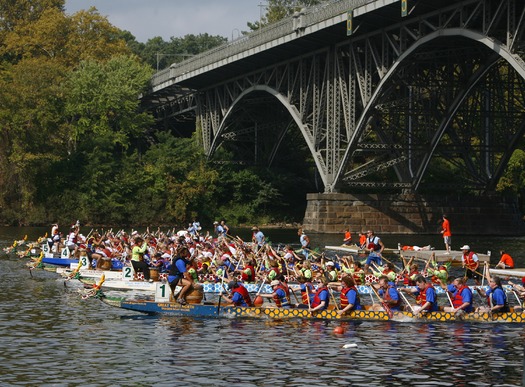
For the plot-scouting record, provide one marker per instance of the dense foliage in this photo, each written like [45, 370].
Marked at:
[76, 144]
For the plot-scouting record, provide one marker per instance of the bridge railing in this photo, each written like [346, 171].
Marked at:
[309, 16]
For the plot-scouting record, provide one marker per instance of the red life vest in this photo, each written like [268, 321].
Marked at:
[317, 300]
[344, 298]
[282, 302]
[422, 297]
[457, 301]
[244, 293]
[305, 294]
[469, 262]
[387, 297]
[407, 280]
[248, 278]
[373, 243]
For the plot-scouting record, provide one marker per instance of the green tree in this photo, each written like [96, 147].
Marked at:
[105, 119]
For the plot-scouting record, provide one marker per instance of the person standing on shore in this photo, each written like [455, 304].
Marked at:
[447, 235]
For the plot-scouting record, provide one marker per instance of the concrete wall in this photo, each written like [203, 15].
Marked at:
[411, 214]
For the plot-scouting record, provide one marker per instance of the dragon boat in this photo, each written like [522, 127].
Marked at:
[149, 287]
[216, 310]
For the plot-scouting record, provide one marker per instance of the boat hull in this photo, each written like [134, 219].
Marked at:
[214, 311]
[59, 261]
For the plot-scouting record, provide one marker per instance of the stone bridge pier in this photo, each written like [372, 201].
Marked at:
[412, 214]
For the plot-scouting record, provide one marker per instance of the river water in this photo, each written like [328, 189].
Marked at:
[52, 337]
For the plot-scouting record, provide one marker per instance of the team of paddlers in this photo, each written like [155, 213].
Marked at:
[189, 257]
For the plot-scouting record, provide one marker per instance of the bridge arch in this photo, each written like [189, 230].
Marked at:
[280, 97]
[500, 50]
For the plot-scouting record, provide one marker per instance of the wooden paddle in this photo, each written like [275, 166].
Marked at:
[408, 303]
[333, 298]
[220, 295]
[383, 303]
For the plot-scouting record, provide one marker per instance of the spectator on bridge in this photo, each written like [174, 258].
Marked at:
[447, 235]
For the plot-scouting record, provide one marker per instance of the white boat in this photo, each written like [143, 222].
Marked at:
[354, 249]
[519, 273]
[454, 257]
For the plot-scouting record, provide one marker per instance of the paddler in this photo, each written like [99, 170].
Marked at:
[321, 298]
[280, 295]
[461, 297]
[307, 291]
[496, 297]
[425, 293]
[349, 296]
[239, 295]
[386, 289]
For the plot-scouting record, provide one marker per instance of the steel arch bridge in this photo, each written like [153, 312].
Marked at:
[377, 108]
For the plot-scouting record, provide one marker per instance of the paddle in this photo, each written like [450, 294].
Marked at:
[220, 295]
[308, 299]
[293, 292]
[383, 303]
[333, 298]
[408, 303]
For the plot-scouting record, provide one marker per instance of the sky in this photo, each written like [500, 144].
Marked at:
[146, 19]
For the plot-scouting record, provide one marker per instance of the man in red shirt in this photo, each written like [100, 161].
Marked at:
[447, 235]
[505, 262]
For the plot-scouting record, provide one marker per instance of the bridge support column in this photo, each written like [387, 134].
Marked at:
[412, 214]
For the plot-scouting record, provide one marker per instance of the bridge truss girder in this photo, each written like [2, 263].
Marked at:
[378, 109]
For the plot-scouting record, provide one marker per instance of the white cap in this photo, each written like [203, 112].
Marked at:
[274, 283]
[330, 263]
[466, 247]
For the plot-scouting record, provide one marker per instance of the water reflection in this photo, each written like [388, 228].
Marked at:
[53, 337]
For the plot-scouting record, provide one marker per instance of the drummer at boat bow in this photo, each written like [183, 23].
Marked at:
[375, 247]
[179, 273]
[425, 293]
[137, 257]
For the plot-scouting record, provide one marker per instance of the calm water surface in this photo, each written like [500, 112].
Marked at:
[51, 337]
